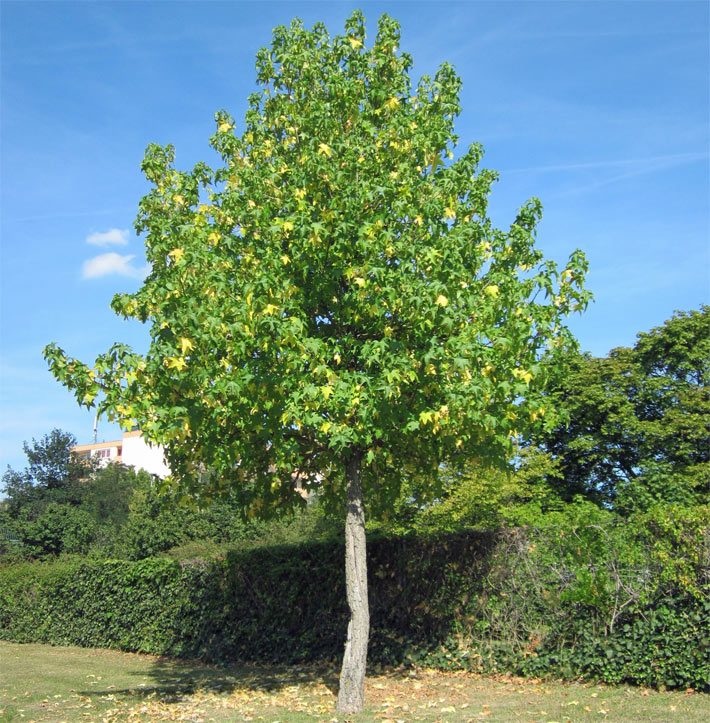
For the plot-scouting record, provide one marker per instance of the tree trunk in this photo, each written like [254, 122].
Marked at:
[351, 695]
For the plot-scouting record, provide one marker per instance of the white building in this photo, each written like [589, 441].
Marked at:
[132, 450]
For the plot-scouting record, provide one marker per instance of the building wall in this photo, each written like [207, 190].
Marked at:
[140, 455]
[103, 452]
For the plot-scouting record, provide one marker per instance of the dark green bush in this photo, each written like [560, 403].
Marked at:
[58, 528]
[517, 601]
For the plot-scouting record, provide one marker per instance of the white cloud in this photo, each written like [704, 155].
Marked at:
[112, 237]
[113, 263]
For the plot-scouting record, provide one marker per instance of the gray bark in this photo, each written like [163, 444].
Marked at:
[351, 695]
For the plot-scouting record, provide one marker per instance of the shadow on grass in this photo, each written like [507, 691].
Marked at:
[173, 680]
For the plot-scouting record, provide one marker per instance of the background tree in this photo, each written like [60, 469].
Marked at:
[51, 475]
[62, 503]
[332, 302]
[50, 462]
[637, 427]
[56, 529]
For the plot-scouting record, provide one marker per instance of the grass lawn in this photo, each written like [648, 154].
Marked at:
[43, 683]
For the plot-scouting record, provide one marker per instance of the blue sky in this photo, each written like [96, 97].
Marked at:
[599, 108]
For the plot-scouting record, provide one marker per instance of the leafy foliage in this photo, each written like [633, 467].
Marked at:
[334, 288]
[155, 526]
[61, 503]
[58, 528]
[581, 596]
[637, 429]
[52, 474]
[479, 496]
[116, 512]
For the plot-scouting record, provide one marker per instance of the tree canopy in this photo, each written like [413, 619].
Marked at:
[51, 474]
[334, 283]
[636, 429]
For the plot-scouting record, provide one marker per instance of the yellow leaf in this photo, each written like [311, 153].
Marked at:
[441, 300]
[491, 291]
[355, 43]
[213, 238]
[176, 255]
[270, 309]
[326, 391]
[336, 358]
[288, 226]
[449, 213]
[224, 127]
[526, 376]
[186, 345]
[174, 362]
[325, 150]
[285, 260]
[178, 200]
[359, 281]
[391, 103]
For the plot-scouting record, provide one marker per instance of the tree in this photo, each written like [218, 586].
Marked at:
[636, 429]
[479, 496]
[332, 303]
[51, 474]
[50, 460]
[58, 528]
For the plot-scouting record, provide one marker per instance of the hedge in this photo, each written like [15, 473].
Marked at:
[431, 603]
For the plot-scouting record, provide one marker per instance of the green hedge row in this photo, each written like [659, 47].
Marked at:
[270, 603]
[431, 602]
